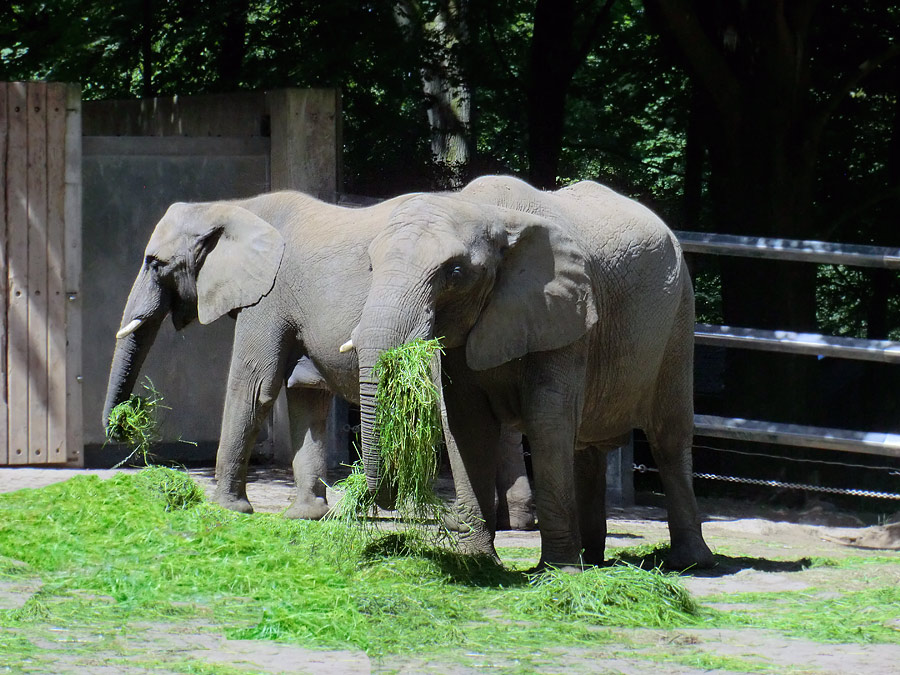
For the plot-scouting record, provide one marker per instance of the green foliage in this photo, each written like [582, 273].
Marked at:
[408, 426]
[110, 553]
[624, 595]
[135, 421]
[175, 488]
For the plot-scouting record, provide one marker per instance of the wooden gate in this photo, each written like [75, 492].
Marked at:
[40, 259]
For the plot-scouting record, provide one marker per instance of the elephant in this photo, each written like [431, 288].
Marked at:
[567, 315]
[294, 273]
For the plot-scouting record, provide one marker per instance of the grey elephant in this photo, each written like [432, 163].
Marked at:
[294, 272]
[568, 315]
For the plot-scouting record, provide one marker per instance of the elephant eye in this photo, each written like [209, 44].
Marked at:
[455, 272]
[152, 262]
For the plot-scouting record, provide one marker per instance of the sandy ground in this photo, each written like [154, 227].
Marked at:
[761, 552]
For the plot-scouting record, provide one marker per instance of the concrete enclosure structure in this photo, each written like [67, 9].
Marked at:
[96, 177]
[139, 157]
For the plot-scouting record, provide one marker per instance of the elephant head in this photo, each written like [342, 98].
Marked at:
[497, 281]
[202, 261]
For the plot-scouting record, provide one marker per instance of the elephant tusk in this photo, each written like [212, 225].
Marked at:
[129, 329]
[347, 346]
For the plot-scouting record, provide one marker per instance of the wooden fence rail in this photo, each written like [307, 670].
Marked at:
[40, 167]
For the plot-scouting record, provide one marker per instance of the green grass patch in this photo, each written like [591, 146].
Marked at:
[176, 489]
[621, 595]
[122, 551]
[709, 661]
[864, 616]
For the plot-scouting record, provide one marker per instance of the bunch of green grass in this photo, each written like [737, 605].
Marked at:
[622, 595]
[135, 421]
[176, 488]
[356, 502]
[408, 427]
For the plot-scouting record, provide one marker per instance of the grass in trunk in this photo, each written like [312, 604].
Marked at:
[408, 433]
[135, 421]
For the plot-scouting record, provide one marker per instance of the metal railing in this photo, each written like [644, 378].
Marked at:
[884, 351]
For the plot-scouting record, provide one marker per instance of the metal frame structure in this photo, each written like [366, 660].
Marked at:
[884, 351]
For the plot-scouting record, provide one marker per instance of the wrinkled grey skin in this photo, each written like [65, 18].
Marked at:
[567, 315]
[296, 273]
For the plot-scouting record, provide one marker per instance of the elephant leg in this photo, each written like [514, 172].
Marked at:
[671, 435]
[590, 491]
[553, 391]
[472, 436]
[515, 503]
[254, 380]
[308, 413]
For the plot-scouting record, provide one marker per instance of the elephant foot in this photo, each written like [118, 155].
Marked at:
[313, 509]
[450, 521]
[477, 544]
[233, 502]
[693, 554]
[516, 520]
[544, 566]
[593, 557]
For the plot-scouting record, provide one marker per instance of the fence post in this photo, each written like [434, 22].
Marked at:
[72, 279]
[620, 475]
[4, 408]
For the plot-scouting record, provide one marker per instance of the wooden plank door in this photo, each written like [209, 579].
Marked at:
[41, 193]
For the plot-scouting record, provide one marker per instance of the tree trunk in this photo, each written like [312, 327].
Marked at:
[556, 54]
[549, 77]
[694, 154]
[147, 29]
[445, 86]
[751, 63]
[233, 46]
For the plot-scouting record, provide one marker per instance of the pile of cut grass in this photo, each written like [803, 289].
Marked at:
[176, 489]
[112, 553]
[622, 595]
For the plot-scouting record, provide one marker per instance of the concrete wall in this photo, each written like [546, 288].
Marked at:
[139, 157]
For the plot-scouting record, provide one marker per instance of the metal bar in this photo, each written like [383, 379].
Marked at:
[870, 443]
[882, 351]
[790, 249]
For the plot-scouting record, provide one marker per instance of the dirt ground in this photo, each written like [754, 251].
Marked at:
[761, 550]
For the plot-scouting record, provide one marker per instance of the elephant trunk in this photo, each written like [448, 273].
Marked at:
[144, 312]
[381, 329]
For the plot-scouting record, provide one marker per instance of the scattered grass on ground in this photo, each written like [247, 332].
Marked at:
[141, 547]
[110, 553]
[863, 616]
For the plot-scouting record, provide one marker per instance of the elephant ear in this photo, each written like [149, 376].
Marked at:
[243, 254]
[542, 298]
